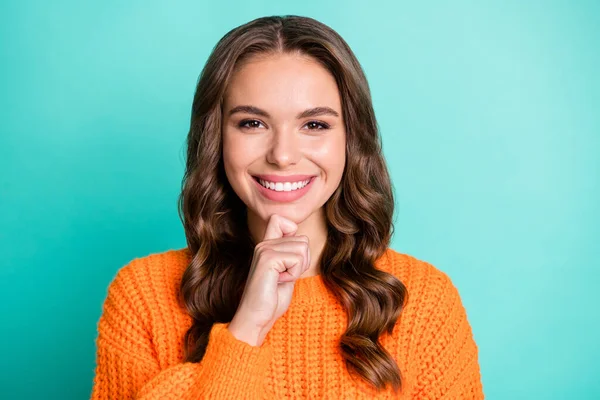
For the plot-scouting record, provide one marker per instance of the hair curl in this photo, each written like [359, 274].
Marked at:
[359, 213]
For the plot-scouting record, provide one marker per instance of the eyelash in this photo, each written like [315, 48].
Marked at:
[322, 124]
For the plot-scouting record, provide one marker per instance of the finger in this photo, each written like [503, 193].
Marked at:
[287, 239]
[278, 227]
[290, 246]
[289, 266]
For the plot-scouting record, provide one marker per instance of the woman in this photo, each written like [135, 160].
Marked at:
[287, 287]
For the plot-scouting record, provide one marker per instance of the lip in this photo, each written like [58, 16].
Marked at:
[283, 196]
[284, 178]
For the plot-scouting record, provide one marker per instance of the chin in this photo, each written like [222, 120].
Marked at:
[294, 214]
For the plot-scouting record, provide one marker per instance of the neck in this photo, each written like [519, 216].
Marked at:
[314, 227]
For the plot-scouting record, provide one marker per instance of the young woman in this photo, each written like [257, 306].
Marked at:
[287, 287]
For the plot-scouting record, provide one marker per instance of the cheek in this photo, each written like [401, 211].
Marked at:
[234, 156]
[331, 156]
[232, 162]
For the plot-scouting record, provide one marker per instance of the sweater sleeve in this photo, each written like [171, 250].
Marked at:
[448, 357]
[127, 366]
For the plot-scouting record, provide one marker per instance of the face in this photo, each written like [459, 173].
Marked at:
[284, 138]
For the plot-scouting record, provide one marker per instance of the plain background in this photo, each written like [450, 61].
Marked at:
[489, 113]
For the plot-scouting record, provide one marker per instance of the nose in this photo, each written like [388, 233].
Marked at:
[284, 150]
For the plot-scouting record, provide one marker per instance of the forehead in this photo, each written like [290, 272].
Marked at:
[284, 83]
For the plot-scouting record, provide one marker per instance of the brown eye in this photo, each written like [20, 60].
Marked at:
[316, 125]
[249, 124]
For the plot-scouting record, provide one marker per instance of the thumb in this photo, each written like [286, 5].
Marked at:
[278, 227]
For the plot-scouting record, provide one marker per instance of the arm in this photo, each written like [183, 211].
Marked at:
[128, 369]
[448, 360]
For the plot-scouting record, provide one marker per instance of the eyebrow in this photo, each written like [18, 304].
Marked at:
[311, 112]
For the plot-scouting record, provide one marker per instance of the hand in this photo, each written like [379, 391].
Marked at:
[278, 261]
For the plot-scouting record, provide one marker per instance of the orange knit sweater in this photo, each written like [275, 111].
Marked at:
[140, 342]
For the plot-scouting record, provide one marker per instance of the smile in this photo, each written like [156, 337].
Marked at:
[283, 191]
[283, 186]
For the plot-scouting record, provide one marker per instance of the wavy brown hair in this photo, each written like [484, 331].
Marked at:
[359, 213]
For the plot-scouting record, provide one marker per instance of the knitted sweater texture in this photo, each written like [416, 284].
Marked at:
[141, 330]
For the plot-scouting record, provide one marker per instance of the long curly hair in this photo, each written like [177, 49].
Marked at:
[359, 213]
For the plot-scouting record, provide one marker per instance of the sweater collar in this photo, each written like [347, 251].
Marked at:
[311, 290]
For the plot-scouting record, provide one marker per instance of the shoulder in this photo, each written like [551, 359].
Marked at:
[434, 310]
[166, 265]
[413, 271]
[154, 277]
[429, 288]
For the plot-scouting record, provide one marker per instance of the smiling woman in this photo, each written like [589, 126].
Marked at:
[298, 136]
[287, 287]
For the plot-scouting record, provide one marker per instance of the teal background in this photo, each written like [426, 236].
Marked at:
[489, 112]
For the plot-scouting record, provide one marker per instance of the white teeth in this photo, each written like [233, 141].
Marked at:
[284, 186]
